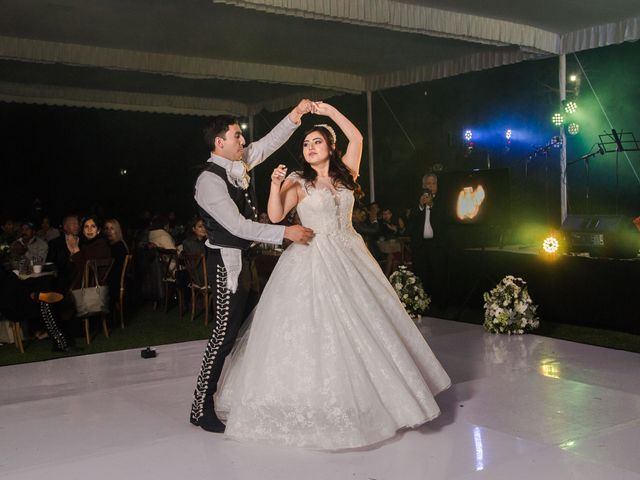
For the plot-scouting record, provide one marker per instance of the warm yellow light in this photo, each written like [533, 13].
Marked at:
[549, 368]
[550, 245]
[469, 201]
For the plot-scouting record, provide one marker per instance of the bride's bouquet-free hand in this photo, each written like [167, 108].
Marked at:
[508, 308]
[410, 291]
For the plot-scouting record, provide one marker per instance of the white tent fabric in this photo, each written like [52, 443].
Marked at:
[201, 57]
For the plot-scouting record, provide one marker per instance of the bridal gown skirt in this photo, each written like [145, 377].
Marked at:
[331, 359]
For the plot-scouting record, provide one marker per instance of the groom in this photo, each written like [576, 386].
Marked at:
[230, 217]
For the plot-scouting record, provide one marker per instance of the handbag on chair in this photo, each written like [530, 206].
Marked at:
[91, 300]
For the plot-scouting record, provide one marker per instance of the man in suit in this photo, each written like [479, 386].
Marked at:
[428, 241]
[230, 217]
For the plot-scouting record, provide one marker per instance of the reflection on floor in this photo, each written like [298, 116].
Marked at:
[521, 407]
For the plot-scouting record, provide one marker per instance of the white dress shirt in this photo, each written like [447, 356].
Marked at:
[427, 232]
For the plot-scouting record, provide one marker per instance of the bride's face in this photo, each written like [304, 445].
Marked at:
[315, 148]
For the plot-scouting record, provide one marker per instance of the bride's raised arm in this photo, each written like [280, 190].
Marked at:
[353, 155]
[282, 197]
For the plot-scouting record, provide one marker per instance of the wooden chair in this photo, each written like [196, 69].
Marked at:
[123, 281]
[103, 267]
[170, 262]
[17, 335]
[196, 266]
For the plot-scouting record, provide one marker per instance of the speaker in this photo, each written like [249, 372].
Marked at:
[612, 236]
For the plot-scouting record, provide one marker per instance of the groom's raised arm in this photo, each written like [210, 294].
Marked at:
[258, 151]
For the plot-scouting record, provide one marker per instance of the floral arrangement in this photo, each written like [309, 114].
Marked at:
[508, 308]
[410, 291]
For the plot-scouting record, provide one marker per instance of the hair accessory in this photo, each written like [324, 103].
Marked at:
[329, 128]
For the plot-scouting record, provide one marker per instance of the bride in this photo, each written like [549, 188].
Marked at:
[331, 360]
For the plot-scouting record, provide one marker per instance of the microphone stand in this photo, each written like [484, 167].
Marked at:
[586, 166]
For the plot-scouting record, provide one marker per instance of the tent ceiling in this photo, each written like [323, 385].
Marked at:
[239, 56]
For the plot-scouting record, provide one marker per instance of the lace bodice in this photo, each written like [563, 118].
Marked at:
[325, 211]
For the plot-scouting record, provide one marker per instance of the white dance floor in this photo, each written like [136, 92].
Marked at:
[520, 408]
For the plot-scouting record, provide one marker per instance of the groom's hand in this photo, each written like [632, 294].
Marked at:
[298, 234]
[303, 107]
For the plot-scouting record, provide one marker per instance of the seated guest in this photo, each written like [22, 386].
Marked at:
[388, 244]
[90, 246]
[119, 250]
[388, 228]
[176, 228]
[47, 232]
[368, 230]
[20, 301]
[159, 233]
[403, 228]
[8, 233]
[194, 243]
[28, 245]
[60, 251]
[375, 212]
[113, 233]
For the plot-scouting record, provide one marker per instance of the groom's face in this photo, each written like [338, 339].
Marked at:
[231, 146]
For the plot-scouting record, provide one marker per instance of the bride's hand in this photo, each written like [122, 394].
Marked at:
[277, 177]
[321, 108]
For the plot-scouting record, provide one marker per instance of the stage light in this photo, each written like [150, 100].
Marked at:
[573, 77]
[557, 119]
[556, 141]
[551, 245]
[508, 134]
[468, 135]
[469, 201]
[244, 126]
[570, 106]
[573, 128]
[123, 171]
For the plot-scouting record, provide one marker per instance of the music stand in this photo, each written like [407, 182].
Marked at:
[618, 142]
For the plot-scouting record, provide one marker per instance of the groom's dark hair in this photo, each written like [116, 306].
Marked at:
[217, 126]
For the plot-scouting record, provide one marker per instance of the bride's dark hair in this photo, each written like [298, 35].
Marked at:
[340, 174]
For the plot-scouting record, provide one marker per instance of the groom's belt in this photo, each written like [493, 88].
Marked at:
[248, 252]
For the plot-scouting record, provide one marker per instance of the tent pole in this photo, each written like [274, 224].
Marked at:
[372, 188]
[562, 74]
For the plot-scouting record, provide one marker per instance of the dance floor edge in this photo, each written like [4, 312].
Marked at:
[525, 407]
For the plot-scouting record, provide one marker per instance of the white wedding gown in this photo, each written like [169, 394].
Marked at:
[331, 359]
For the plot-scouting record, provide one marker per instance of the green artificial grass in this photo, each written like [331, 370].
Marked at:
[146, 327]
[563, 331]
[143, 327]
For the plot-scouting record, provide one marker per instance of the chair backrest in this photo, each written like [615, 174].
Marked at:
[196, 266]
[101, 267]
[169, 260]
[125, 267]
